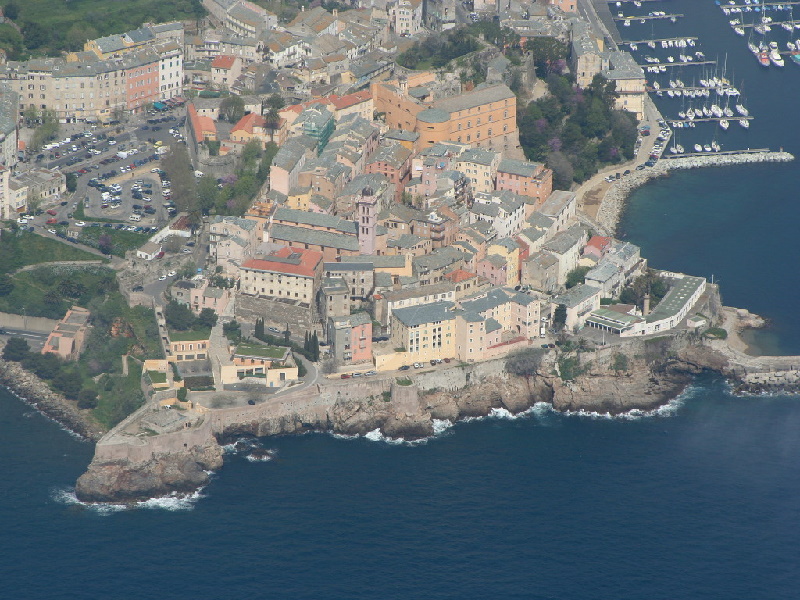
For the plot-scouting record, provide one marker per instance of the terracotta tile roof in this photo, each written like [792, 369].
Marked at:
[223, 61]
[289, 260]
[249, 122]
[459, 275]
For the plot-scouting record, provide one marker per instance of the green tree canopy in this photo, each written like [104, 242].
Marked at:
[16, 349]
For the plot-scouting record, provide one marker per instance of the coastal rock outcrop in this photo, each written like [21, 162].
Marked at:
[50, 403]
[123, 481]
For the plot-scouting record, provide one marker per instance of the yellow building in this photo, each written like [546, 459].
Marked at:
[188, 345]
[272, 365]
[424, 332]
[509, 250]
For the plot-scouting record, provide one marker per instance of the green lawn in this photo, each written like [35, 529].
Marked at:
[121, 241]
[24, 248]
[189, 336]
[157, 377]
[260, 351]
[49, 291]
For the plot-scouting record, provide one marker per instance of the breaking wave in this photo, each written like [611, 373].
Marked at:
[170, 502]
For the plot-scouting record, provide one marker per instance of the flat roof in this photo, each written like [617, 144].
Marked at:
[676, 298]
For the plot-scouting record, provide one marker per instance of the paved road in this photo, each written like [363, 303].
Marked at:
[35, 339]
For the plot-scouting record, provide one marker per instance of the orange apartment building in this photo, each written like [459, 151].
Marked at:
[485, 117]
[69, 335]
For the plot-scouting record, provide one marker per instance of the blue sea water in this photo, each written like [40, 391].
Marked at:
[698, 502]
[735, 223]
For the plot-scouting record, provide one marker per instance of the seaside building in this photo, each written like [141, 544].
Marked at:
[69, 335]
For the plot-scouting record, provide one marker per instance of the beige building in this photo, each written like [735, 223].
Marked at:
[286, 274]
[68, 337]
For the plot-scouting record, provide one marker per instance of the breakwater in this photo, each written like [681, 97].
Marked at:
[613, 202]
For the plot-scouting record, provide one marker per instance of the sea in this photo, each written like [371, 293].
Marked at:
[697, 500]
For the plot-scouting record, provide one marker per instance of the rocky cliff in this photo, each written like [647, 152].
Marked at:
[124, 481]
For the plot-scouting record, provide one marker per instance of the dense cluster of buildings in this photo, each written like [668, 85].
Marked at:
[400, 221]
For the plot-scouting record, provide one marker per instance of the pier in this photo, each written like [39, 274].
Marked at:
[691, 63]
[647, 17]
[669, 39]
[711, 119]
[712, 153]
[730, 6]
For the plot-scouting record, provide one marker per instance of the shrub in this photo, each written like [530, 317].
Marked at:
[182, 394]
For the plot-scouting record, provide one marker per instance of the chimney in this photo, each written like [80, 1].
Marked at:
[646, 305]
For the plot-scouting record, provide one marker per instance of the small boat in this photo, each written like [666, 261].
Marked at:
[742, 110]
[690, 114]
[776, 58]
[716, 110]
[698, 148]
[715, 146]
[790, 46]
[727, 111]
[795, 56]
[706, 112]
[681, 114]
[679, 148]
[651, 45]
[753, 48]
[744, 123]
[724, 123]
[739, 30]
[707, 148]
[763, 58]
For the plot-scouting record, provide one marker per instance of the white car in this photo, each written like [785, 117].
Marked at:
[51, 231]
[187, 251]
[80, 223]
[22, 221]
[162, 278]
[171, 274]
[112, 142]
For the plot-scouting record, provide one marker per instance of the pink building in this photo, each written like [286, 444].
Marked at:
[494, 268]
[69, 335]
[597, 246]
[350, 338]
[141, 85]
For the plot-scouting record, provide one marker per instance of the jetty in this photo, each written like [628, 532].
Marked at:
[648, 17]
[717, 153]
[710, 119]
[667, 39]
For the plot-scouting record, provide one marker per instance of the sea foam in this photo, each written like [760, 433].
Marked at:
[170, 502]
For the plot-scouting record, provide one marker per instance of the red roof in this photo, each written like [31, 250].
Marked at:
[289, 260]
[600, 242]
[341, 102]
[248, 122]
[223, 61]
[459, 275]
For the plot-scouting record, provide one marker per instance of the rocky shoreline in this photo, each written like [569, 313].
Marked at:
[53, 405]
[613, 203]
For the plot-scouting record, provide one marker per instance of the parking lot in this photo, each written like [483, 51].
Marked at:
[140, 199]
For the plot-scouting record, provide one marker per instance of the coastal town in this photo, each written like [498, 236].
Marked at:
[253, 217]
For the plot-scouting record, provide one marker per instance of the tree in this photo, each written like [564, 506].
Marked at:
[105, 244]
[72, 182]
[11, 11]
[68, 382]
[233, 330]
[182, 393]
[232, 108]
[525, 362]
[314, 347]
[258, 331]
[178, 316]
[6, 285]
[560, 316]
[287, 335]
[207, 318]
[275, 102]
[207, 192]
[87, 398]
[16, 349]
[45, 366]
[78, 34]
[620, 362]
[576, 276]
